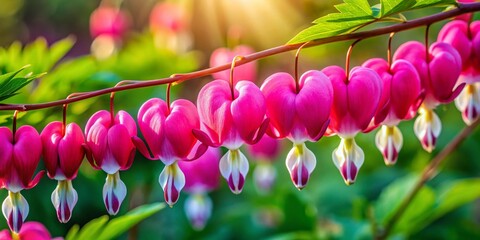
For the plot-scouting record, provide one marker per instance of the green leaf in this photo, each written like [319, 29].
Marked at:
[10, 84]
[355, 14]
[90, 230]
[456, 194]
[431, 3]
[352, 15]
[121, 224]
[389, 7]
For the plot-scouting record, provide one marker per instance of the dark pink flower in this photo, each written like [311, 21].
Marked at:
[63, 152]
[108, 21]
[29, 231]
[168, 133]
[401, 97]
[169, 17]
[223, 56]
[19, 158]
[298, 114]
[465, 39]
[264, 152]
[231, 121]
[202, 176]
[355, 103]
[110, 140]
[439, 81]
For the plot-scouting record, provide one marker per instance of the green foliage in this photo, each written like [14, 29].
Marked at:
[355, 14]
[100, 228]
[37, 54]
[11, 83]
[428, 205]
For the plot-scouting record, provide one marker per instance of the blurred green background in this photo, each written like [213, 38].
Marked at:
[53, 36]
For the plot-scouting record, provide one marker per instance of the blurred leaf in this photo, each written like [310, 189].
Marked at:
[37, 53]
[10, 84]
[101, 228]
[121, 224]
[456, 194]
[90, 230]
[391, 197]
[451, 196]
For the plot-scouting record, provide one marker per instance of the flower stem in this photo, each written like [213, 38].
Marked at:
[428, 173]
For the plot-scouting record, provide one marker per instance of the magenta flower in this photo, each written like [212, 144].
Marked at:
[29, 231]
[298, 114]
[19, 158]
[231, 121]
[439, 78]
[350, 116]
[168, 133]
[401, 97]
[223, 56]
[264, 152]
[108, 21]
[63, 152]
[110, 142]
[466, 40]
[202, 176]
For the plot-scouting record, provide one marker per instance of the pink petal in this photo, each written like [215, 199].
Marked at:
[5, 154]
[314, 102]
[96, 139]
[405, 88]
[127, 121]
[26, 152]
[203, 173]
[120, 144]
[248, 109]
[102, 117]
[51, 136]
[151, 120]
[279, 91]
[267, 149]
[182, 119]
[340, 108]
[455, 33]
[414, 52]
[364, 84]
[34, 230]
[70, 150]
[213, 103]
[445, 67]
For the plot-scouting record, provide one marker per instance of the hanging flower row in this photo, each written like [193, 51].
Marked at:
[232, 111]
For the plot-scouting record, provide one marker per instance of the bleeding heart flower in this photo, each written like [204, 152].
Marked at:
[30, 231]
[168, 133]
[230, 121]
[298, 114]
[110, 140]
[202, 176]
[465, 39]
[439, 77]
[168, 17]
[264, 152]
[350, 116]
[108, 21]
[63, 152]
[19, 158]
[401, 97]
[223, 56]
